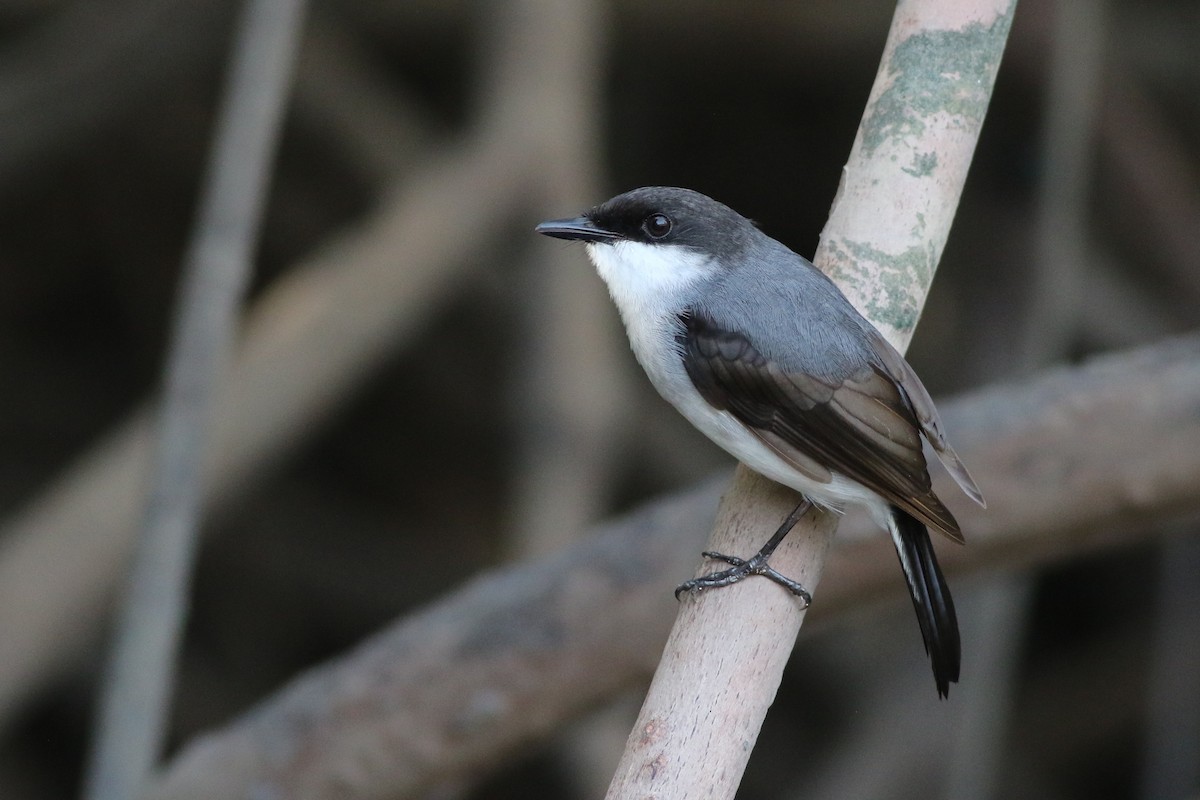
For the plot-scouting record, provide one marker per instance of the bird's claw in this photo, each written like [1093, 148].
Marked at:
[742, 568]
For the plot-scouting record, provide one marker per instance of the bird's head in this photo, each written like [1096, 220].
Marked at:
[655, 242]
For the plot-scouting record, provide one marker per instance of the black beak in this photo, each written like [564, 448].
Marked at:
[580, 228]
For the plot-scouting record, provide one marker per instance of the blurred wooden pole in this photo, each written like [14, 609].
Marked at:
[570, 387]
[568, 382]
[135, 699]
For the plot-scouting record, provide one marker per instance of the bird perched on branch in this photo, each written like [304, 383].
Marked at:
[760, 351]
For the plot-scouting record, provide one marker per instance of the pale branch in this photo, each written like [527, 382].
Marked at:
[453, 689]
[135, 697]
[886, 231]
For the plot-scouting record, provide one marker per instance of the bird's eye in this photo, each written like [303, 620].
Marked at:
[657, 226]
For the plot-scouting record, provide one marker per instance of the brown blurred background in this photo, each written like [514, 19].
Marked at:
[429, 465]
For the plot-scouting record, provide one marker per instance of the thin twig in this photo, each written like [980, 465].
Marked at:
[570, 380]
[486, 670]
[136, 693]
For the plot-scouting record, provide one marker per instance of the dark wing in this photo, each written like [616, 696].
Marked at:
[927, 416]
[863, 427]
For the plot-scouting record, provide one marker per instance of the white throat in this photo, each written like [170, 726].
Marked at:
[650, 285]
[647, 280]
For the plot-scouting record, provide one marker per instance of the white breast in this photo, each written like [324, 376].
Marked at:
[650, 285]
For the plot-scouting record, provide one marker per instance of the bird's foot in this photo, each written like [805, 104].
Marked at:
[742, 568]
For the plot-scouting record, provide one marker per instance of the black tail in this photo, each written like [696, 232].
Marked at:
[930, 596]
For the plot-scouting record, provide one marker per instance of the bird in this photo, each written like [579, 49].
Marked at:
[762, 353]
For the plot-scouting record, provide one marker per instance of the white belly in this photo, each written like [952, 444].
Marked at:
[654, 347]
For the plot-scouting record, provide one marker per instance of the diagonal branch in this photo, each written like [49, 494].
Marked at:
[502, 662]
[885, 235]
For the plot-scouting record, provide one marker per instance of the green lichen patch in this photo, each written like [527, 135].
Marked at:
[918, 228]
[922, 164]
[901, 279]
[939, 71]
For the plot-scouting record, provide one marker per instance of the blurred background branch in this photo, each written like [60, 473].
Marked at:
[467, 682]
[134, 703]
[375, 441]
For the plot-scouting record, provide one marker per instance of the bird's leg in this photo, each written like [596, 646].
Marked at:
[755, 565]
